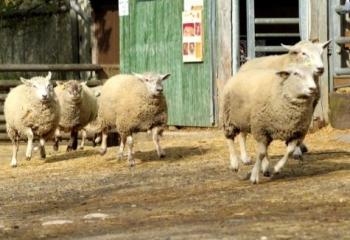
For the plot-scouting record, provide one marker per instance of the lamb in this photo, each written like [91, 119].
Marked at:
[31, 110]
[78, 108]
[93, 128]
[303, 52]
[271, 105]
[131, 104]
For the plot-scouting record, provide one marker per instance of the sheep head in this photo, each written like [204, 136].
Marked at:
[42, 86]
[308, 53]
[72, 90]
[298, 83]
[153, 82]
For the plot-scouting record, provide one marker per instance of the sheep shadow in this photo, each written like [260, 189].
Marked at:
[314, 164]
[71, 155]
[172, 154]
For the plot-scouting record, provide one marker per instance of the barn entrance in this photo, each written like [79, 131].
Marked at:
[264, 25]
[105, 49]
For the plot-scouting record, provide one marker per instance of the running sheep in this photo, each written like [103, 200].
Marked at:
[308, 53]
[78, 108]
[31, 110]
[271, 105]
[131, 104]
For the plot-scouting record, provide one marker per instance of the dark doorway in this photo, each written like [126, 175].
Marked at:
[106, 31]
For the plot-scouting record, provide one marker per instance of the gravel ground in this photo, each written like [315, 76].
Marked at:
[190, 194]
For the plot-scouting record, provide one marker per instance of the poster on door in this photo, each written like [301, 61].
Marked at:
[192, 36]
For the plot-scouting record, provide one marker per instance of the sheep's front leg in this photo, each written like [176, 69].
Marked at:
[42, 148]
[14, 153]
[83, 138]
[121, 148]
[131, 159]
[103, 148]
[30, 137]
[290, 149]
[243, 146]
[155, 135]
[57, 139]
[73, 141]
[233, 156]
[261, 154]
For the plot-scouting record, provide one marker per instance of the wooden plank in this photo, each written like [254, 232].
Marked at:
[2, 128]
[49, 67]
[2, 118]
[3, 97]
[319, 16]
[7, 84]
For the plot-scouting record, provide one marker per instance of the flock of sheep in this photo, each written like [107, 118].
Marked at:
[270, 97]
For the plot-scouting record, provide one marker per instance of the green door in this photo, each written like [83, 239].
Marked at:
[151, 40]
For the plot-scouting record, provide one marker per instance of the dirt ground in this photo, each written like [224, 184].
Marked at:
[190, 194]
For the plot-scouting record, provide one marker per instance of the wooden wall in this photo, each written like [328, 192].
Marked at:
[151, 40]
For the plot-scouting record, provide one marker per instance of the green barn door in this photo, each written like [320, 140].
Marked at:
[151, 40]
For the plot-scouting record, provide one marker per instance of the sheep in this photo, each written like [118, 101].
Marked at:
[31, 110]
[78, 108]
[270, 104]
[93, 127]
[303, 52]
[131, 104]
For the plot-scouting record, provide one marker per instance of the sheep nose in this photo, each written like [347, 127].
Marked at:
[320, 70]
[44, 96]
[312, 90]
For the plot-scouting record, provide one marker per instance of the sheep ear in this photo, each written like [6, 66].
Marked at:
[283, 74]
[291, 49]
[59, 83]
[325, 44]
[97, 94]
[48, 77]
[165, 76]
[139, 76]
[83, 83]
[25, 81]
[314, 40]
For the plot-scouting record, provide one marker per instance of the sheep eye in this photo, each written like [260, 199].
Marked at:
[304, 54]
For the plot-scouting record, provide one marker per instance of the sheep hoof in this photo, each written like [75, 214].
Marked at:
[234, 169]
[162, 155]
[13, 165]
[267, 173]
[81, 148]
[69, 149]
[43, 157]
[28, 158]
[102, 151]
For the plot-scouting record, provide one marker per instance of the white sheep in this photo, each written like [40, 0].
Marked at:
[271, 105]
[31, 110]
[78, 108]
[94, 127]
[304, 52]
[131, 104]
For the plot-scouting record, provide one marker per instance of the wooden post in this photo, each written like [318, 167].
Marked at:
[318, 30]
[224, 49]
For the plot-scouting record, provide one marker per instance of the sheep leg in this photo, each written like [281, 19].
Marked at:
[290, 149]
[242, 143]
[42, 148]
[73, 141]
[233, 156]
[261, 154]
[103, 148]
[83, 138]
[131, 159]
[57, 139]
[265, 167]
[30, 137]
[15, 144]
[155, 135]
[121, 148]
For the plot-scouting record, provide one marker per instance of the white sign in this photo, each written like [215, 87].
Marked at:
[123, 7]
[193, 5]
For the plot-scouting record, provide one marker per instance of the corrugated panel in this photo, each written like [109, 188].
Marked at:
[151, 40]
